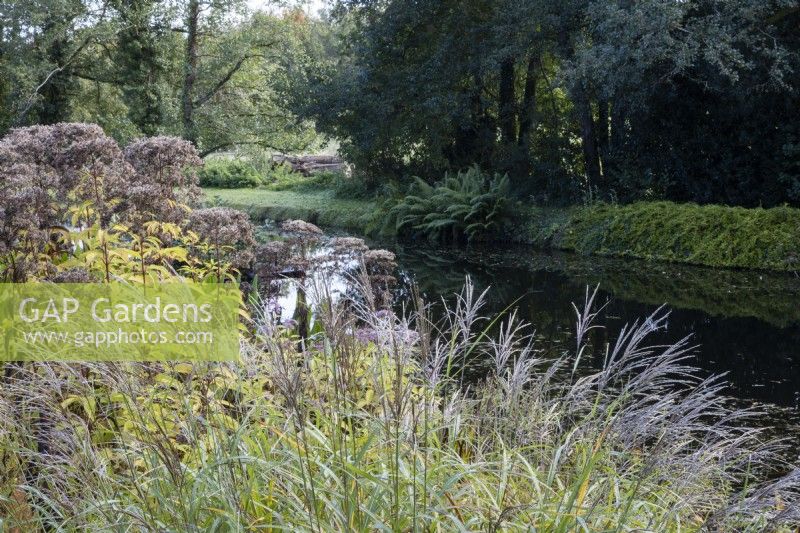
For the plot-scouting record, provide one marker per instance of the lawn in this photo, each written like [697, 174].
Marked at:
[321, 208]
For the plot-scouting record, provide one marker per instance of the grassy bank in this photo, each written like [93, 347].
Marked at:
[320, 208]
[717, 236]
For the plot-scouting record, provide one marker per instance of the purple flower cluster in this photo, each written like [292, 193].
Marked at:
[163, 180]
[228, 233]
[45, 170]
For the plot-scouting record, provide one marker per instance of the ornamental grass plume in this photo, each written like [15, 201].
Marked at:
[374, 432]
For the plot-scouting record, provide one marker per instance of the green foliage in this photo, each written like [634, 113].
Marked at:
[467, 205]
[687, 101]
[684, 233]
[228, 174]
[283, 178]
[123, 67]
[353, 433]
[704, 235]
[320, 207]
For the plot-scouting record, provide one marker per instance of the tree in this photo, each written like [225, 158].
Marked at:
[626, 99]
[140, 60]
[42, 42]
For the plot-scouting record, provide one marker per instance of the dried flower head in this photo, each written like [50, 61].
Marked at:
[379, 259]
[42, 168]
[228, 232]
[379, 265]
[271, 257]
[348, 245]
[301, 227]
[164, 178]
[72, 275]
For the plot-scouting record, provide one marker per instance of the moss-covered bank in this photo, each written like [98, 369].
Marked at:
[716, 236]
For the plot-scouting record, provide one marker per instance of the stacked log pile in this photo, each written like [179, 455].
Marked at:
[308, 164]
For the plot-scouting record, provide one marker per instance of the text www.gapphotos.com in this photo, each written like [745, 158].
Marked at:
[113, 338]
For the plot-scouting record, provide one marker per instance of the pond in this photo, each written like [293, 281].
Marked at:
[745, 324]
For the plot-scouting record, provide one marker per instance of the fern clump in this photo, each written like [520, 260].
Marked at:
[229, 174]
[469, 205]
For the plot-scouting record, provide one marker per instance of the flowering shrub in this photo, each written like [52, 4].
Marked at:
[226, 236]
[164, 181]
[42, 170]
[72, 199]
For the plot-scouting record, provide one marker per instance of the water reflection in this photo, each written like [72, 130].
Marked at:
[746, 324]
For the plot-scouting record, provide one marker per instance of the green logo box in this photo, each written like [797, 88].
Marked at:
[177, 321]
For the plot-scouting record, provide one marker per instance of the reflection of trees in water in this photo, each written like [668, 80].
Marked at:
[770, 297]
[744, 322]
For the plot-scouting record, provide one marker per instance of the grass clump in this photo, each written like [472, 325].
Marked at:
[228, 174]
[365, 426]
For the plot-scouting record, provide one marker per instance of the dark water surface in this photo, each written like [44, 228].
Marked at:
[746, 324]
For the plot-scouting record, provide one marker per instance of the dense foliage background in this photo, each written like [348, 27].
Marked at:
[576, 100]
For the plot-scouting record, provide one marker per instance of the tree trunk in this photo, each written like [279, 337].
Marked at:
[55, 94]
[190, 72]
[617, 126]
[506, 112]
[602, 127]
[591, 157]
[528, 115]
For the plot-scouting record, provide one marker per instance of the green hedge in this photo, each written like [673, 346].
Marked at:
[688, 233]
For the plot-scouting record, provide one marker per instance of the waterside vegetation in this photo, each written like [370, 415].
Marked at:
[710, 235]
[351, 416]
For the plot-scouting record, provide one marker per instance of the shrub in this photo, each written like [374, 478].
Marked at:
[283, 178]
[73, 175]
[229, 174]
[469, 205]
[352, 187]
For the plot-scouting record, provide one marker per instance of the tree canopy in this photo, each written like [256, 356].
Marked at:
[210, 71]
[686, 100]
[604, 99]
